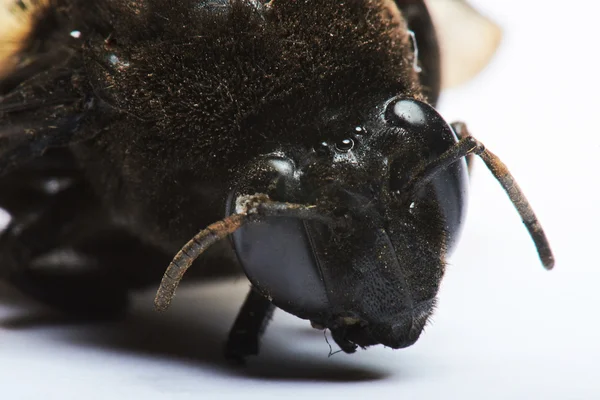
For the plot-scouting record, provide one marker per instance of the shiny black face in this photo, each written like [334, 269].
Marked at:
[374, 280]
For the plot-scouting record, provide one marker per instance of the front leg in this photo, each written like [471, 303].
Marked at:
[33, 246]
[249, 325]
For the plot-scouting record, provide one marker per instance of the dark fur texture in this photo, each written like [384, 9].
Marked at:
[188, 97]
[165, 105]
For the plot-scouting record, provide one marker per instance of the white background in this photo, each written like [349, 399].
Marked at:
[505, 328]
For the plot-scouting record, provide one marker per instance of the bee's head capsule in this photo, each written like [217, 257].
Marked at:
[374, 279]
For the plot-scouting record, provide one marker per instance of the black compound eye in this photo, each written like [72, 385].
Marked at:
[406, 113]
[344, 145]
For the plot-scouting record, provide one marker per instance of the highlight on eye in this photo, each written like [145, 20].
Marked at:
[248, 209]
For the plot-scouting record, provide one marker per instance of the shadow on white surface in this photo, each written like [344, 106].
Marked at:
[191, 332]
[505, 329]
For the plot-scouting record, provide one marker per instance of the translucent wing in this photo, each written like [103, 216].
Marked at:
[468, 40]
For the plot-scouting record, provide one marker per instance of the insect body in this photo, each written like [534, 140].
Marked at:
[305, 130]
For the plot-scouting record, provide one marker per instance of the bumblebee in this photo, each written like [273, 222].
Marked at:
[298, 137]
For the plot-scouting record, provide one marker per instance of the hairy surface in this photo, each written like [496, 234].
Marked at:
[166, 108]
[194, 89]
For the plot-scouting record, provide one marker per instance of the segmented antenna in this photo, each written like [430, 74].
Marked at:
[469, 145]
[249, 209]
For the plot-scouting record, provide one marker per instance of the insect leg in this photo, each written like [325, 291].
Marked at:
[249, 325]
[50, 227]
[71, 287]
[26, 144]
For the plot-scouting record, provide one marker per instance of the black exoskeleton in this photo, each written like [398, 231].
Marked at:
[305, 128]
